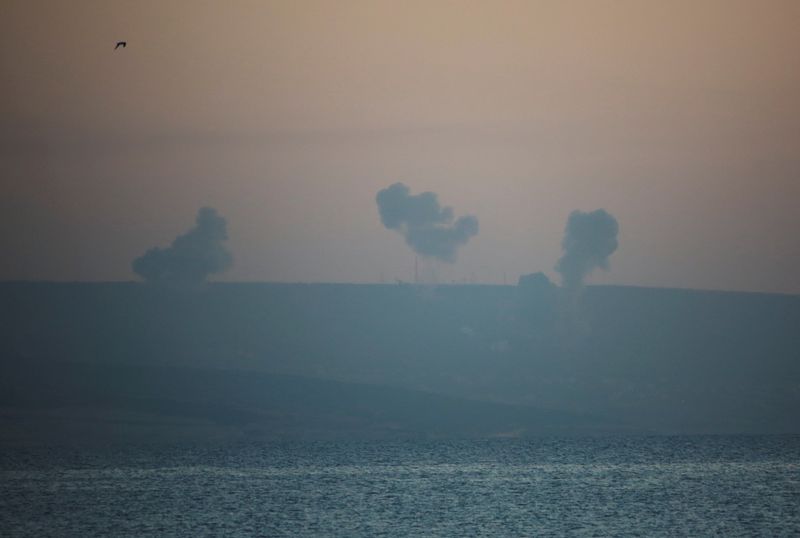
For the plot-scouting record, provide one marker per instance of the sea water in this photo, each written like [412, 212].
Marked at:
[595, 486]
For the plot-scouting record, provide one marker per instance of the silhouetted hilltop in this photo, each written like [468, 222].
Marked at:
[655, 359]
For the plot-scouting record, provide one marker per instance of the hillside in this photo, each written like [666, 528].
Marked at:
[79, 403]
[653, 359]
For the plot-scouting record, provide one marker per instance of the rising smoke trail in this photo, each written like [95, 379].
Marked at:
[589, 240]
[427, 227]
[192, 257]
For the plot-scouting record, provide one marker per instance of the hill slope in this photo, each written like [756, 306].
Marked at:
[663, 360]
[76, 403]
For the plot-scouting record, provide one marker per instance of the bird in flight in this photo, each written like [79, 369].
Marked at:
[122, 44]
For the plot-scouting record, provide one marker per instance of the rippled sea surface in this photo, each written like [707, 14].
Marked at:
[636, 486]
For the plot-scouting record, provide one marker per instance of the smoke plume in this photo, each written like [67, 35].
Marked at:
[192, 257]
[428, 228]
[589, 239]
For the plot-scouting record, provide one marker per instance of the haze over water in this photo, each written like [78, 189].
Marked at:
[641, 486]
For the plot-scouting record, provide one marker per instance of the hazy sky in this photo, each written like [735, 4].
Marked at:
[681, 119]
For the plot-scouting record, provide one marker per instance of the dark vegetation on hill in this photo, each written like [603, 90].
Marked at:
[58, 402]
[651, 359]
